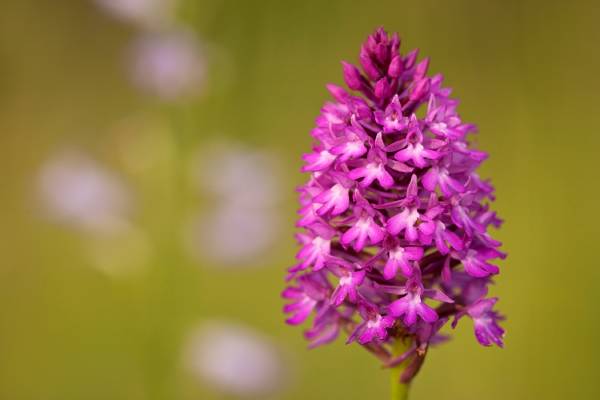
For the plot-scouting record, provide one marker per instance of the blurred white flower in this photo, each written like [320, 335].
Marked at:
[234, 359]
[232, 236]
[242, 225]
[240, 175]
[143, 12]
[77, 191]
[74, 189]
[168, 64]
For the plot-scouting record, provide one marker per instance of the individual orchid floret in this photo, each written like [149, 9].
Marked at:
[370, 172]
[396, 221]
[445, 239]
[318, 161]
[401, 257]
[364, 228]
[485, 321]
[314, 252]
[438, 176]
[411, 305]
[306, 297]
[349, 149]
[476, 262]
[347, 287]
[415, 150]
[392, 118]
[375, 326]
[414, 223]
[300, 308]
[334, 200]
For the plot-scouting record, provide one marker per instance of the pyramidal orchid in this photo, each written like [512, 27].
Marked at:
[394, 217]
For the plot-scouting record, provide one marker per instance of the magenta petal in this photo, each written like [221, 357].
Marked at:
[397, 223]
[430, 179]
[410, 317]
[414, 253]
[390, 269]
[427, 313]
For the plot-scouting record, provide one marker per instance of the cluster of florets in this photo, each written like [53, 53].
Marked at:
[395, 219]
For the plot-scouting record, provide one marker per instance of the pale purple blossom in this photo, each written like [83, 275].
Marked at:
[79, 192]
[395, 219]
[76, 190]
[231, 236]
[169, 64]
[235, 359]
[247, 176]
[241, 223]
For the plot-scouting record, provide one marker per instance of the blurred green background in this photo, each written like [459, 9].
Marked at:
[88, 314]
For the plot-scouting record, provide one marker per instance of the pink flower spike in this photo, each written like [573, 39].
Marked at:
[397, 225]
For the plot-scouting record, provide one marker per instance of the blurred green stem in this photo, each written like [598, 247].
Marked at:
[399, 390]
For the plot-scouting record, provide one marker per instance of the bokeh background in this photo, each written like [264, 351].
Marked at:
[149, 152]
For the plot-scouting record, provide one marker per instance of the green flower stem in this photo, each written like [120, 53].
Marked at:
[399, 390]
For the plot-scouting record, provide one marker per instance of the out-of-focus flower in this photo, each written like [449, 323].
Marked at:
[77, 191]
[235, 359]
[247, 177]
[232, 236]
[242, 224]
[168, 64]
[394, 213]
[148, 13]
[74, 189]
